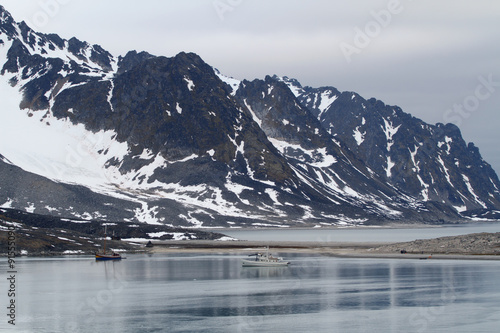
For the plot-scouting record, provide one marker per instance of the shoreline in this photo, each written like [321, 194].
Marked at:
[476, 246]
[358, 250]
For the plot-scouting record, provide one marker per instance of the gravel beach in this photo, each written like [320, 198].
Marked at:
[481, 246]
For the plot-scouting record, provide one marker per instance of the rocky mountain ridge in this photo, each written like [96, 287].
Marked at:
[431, 162]
[142, 138]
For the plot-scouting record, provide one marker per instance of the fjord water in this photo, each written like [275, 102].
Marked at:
[361, 234]
[186, 292]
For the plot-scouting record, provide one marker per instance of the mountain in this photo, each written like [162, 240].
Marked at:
[158, 140]
[316, 157]
[429, 162]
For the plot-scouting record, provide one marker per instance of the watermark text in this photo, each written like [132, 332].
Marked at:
[11, 275]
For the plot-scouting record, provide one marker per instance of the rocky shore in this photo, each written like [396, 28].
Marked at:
[472, 244]
[37, 235]
[42, 235]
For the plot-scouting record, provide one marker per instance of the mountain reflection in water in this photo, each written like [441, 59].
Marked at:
[213, 293]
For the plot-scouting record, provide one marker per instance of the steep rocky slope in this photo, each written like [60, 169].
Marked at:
[159, 140]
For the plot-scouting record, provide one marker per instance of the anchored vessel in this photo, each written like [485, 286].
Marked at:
[102, 255]
[264, 260]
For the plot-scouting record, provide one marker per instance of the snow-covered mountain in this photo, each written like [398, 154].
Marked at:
[172, 141]
[428, 162]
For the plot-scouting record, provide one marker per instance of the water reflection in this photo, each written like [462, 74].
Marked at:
[216, 294]
[392, 284]
[263, 272]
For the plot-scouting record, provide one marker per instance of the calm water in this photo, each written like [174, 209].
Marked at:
[364, 234]
[213, 293]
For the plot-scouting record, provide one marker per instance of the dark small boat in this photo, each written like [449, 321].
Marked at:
[102, 255]
[112, 256]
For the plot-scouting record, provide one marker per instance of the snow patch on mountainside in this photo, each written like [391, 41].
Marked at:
[315, 157]
[252, 112]
[471, 191]
[190, 83]
[326, 100]
[445, 170]
[390, 165]
[178, 108]
[358, 136]
[232, 82]
[389, 130]
[53, 148]
[447, 142]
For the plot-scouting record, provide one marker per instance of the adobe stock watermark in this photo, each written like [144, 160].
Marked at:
[471, 103]
[11, 275]
[48, 10]
[372, 29]
[224, 6]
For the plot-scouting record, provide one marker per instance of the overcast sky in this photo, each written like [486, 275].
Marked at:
[438, 60]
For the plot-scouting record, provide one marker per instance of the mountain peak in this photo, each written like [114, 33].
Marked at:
[3, 13]
[191, 56]
[289, 81]
[172, 140]
[189, 60]
[132, 59]
[6, 22]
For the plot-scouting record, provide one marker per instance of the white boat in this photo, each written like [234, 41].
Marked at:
[264, 260]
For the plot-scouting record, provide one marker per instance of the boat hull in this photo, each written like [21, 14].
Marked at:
[101, 257]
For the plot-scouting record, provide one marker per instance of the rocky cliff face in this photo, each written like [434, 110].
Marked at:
[429, 162]
[172, 141]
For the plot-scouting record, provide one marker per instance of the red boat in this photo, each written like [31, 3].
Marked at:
[104, 256]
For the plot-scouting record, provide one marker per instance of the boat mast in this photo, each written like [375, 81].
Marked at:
[105, 236]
